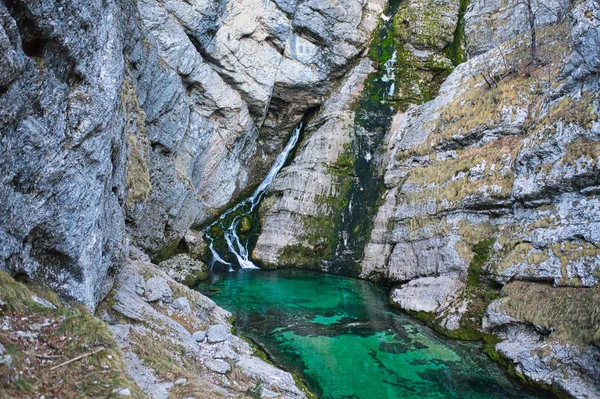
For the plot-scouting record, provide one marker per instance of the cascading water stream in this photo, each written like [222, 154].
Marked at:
[247, 206]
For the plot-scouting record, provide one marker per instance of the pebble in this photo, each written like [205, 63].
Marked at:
[180, 381]
[122, 391]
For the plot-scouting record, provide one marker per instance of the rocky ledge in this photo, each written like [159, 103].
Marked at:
[151, 337]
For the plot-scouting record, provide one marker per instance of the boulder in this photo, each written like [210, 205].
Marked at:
[185, 270]
[157, 289]
[218, 333]
[182, 304]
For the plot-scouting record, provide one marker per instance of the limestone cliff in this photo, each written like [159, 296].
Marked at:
[130, 122]
[454, 154]
[486, 193]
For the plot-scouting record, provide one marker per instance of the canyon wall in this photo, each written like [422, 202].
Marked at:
[486, 193]
[450, 158]
[131, 122]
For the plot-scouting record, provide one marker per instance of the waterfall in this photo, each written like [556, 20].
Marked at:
[247, 206]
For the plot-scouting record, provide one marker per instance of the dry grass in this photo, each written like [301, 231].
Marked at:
[519, 86]
[55, 336]
[171, 362]
[570, 315]
[454, 179]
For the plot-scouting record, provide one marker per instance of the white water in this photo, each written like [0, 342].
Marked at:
[234, 244]
[390, 74]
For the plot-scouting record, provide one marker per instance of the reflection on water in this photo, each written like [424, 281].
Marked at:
[341, 336]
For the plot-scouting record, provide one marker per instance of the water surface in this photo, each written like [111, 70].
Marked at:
[341, 336]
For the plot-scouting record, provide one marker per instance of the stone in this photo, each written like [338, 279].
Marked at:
[185, 270]
[6, 360]
[2, 349]
[182, 304]
[195, 244]
[427, 294]
[137, 254]
[122, 392]
[218, 333]
[199, 336]
[181, 381]
[218, 366]
[157, 289]
[43, 302]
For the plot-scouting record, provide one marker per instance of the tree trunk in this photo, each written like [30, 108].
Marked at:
[531, 17]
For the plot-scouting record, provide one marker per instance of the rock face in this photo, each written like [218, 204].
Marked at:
[494, 180]
[318, 211]
[185, 270]
[63, 149]
[134, 121]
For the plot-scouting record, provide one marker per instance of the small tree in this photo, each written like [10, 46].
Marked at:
[531, 20]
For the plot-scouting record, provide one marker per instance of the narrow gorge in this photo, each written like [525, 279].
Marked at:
[393, 198]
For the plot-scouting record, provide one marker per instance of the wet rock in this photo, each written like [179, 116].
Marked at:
[194, 243]
[185, 270]
[260, 369]
[218, 333]
[157, 288]
[182, 304]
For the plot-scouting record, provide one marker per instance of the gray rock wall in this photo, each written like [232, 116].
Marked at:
[494, 181]
[134, 121]
[62, 145]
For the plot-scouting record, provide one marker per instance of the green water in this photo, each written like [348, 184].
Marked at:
[341, 336]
